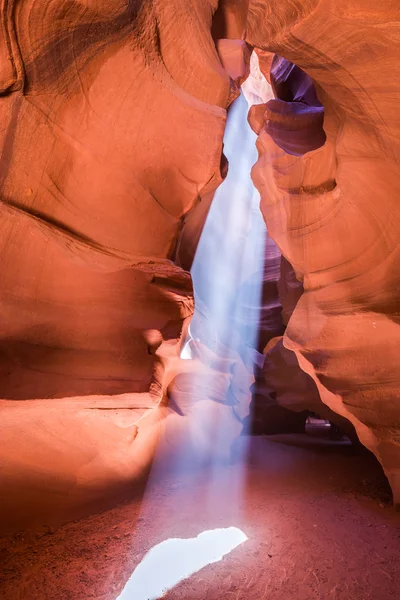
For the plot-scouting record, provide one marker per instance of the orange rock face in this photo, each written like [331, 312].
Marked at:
[112, 118]
[95, 180]
[111, 132]
[333, 210]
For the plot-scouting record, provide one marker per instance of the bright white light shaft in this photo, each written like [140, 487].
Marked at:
[232, 246]
[168, 563]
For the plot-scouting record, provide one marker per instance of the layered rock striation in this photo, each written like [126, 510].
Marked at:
[112, 118]
[333, 211]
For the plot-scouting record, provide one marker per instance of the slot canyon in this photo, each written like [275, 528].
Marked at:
[199, 299]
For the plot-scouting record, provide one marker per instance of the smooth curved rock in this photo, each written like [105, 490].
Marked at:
[111, 133]
[333, 211]
[280, 385]
[94, 183]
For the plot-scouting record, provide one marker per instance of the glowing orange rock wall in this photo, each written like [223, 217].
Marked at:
[334, 212]
[95, 180]
[111, 132]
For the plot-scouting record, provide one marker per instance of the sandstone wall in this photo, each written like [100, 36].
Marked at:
[333, 211]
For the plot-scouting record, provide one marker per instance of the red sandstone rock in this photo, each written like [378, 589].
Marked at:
[230, 19]
[95, 181]
[333, 211]
[111, 133]
[281, 386]
[290, 289]
[265, 61]
[235, 57]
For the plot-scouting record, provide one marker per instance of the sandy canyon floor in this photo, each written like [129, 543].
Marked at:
[317, 515]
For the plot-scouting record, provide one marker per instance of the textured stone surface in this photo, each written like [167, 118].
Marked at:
[94, 183]
[112, 116]
[281, 386]
[334, 212]
[111, 132]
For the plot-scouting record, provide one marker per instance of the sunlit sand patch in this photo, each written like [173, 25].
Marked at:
[176, 559]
